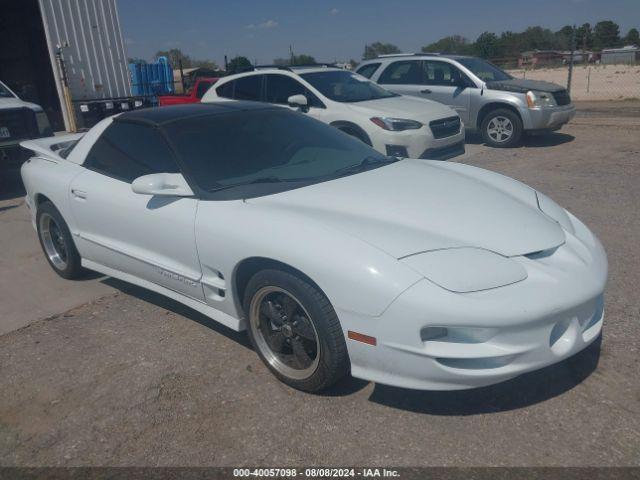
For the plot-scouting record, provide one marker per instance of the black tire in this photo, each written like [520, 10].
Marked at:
[68, 265]
[332, 356]
[493, 132]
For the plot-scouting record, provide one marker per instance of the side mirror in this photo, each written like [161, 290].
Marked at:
[162, 185]
[299, 101]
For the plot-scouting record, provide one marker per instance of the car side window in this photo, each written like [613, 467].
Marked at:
[407, 72]
[126, 151]
[443, 74]
[279, 88]
[368, 70]
[226, 90]
[248, 88]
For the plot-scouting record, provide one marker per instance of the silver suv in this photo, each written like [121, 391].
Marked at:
[487, 99]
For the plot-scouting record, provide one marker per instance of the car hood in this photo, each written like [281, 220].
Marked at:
[7, 103]
[520, 85]
[415, 206]
[404, 107]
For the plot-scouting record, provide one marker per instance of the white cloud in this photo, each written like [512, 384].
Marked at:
[333, 11]
[265, 24]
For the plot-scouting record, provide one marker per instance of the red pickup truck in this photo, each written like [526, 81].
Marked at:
[197, 92]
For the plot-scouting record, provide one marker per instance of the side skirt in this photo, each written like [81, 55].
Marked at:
[216, 315]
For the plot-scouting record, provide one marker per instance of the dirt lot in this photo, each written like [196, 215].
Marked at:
[130, 378]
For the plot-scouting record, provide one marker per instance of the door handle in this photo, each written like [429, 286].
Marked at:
[426, 90]
[79, 193]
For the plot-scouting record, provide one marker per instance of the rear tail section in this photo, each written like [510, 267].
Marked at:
[51, 148]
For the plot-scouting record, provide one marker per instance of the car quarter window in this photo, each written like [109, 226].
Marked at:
[248, 88]
[407, 72]
[368, 70]
[127, 151]
[279, 88]
[226, 90]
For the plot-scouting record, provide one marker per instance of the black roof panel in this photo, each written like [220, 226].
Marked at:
[162, 115]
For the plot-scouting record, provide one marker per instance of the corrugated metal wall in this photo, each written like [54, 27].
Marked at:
[95, 58]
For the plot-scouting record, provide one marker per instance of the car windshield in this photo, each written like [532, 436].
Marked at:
[343, 86]
[267, 147]
[485, 71]
[4, 92]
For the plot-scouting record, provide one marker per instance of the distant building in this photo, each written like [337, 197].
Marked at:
[538, 58]
[628, 54]
[344, 65]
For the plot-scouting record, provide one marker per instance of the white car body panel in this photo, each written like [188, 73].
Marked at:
[376, 253]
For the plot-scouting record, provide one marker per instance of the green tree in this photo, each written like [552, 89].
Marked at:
[487, 45]
[378, 48]
[632, 38]
[584, 37]
[238, 64]
[301, 59]
[136, 60]
[208, 64]
[176, 57]
[606, 34]
[453, 44]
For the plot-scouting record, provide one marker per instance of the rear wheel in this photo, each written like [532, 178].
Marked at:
[56, 242]
[295, 330]
[501, 128]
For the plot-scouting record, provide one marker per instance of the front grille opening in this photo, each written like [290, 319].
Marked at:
[477, 363]
[445, 127]
[562, 97]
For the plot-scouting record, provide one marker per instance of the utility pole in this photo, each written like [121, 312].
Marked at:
[293, 58]
[573, 49]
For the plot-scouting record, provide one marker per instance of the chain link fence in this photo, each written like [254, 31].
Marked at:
[589, 81]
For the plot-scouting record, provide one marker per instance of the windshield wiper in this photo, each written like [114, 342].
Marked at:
[254, 182]
[363, 165]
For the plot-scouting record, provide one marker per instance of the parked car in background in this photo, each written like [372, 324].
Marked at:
[19, 120]
[487, 99]
[392, 124]
[200, 87]
[335, 258]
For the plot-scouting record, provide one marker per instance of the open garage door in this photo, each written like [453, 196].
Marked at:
[25, 64]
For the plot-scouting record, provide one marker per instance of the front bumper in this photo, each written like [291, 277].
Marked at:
[547, 118]
[494, 335]
[419, 142]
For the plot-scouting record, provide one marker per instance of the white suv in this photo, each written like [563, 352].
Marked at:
[392, 124]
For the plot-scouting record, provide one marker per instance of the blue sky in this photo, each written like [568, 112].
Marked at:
[338, 30]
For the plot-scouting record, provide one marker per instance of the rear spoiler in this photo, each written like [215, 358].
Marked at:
[49, 147]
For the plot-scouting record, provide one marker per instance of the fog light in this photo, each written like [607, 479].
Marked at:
[397, 151]
[108, 106]
[84, 108]
[137, 103]
[124, 106]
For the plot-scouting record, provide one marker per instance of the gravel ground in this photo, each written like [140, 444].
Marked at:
[132, 378]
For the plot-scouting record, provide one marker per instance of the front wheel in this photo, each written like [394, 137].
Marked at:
[501, 128]
[295, 330]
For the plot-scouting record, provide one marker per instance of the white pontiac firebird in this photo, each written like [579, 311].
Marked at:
[334, 257]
